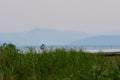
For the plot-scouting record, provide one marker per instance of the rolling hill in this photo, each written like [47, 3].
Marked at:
[99, 40]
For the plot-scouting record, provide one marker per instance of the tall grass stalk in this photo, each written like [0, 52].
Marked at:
[56, 64]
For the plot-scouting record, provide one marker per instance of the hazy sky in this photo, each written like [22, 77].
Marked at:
[90, 16]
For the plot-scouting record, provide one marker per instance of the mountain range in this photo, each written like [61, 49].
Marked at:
[37, 37]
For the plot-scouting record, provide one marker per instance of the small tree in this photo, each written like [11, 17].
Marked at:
[42, 47]
[9, 48]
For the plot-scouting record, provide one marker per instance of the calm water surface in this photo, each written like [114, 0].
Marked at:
[88, 48]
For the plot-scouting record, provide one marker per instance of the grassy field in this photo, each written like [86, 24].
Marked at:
[58, 64]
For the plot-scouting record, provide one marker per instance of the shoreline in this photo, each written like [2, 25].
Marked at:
[106, 53]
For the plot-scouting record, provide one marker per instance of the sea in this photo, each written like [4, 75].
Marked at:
[86, 48]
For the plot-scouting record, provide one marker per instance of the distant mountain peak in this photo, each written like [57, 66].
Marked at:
[38, 36]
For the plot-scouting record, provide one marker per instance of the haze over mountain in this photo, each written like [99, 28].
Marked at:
[99, 40]
[38, 36]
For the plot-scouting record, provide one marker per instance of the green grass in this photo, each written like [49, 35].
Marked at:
[58, 64]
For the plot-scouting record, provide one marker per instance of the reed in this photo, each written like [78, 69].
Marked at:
[57, 64]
